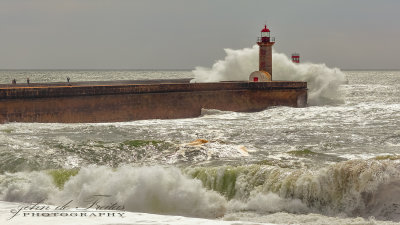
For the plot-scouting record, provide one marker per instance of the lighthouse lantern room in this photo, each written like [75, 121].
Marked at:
[265, 34]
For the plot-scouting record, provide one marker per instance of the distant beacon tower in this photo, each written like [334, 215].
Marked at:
[265, 42]
[296, 58]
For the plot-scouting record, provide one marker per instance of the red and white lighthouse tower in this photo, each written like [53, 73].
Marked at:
[265, 42]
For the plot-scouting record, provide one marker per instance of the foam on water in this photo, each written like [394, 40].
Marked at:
[268, 203]
[351, 188]
[304, 219]
[129, 218]
[323, 82]
[354, 130]
[145, 189]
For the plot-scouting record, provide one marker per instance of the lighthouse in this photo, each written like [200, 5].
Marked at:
[264, 72]
[265, 42]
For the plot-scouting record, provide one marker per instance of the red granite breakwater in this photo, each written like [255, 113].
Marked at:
[136, 100]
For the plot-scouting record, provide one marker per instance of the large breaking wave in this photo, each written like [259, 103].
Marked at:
[353, 188]
[323, 82]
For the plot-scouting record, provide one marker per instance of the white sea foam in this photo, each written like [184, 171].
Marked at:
[128, 218]
[353, 188]
[211, 150]
[26, 186]
[304, 219]
[268, 203]
[144, 189]
[323, 82]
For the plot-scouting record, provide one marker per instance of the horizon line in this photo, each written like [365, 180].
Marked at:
[102, 69]
[176, 69]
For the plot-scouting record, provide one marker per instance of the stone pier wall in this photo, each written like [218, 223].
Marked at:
[112, 103]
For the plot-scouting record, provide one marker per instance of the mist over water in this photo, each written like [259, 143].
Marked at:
[323, 82]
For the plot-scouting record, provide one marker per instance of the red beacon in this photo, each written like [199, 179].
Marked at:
[296, 58]
[265, 35]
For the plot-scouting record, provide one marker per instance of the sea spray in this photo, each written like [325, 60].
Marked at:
[237, 66]
[268, 203]
[26, 186]
[138, 189]
[352, 187]
[323, 82]
[145, 189]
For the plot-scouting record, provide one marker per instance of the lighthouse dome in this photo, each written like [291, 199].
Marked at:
[265, 29]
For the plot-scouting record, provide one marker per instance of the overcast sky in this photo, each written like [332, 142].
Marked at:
[182, 34]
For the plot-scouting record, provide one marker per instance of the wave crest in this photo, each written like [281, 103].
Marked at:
[354, 188]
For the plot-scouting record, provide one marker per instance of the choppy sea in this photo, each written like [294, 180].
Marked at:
[323, 164]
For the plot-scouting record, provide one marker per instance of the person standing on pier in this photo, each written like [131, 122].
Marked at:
[68, 79]
[27, 80]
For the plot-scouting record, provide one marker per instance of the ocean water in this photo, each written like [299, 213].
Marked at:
[329, 163]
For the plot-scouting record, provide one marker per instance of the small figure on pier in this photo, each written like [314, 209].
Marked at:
[14, 81]
[27, 80]
[68, 79]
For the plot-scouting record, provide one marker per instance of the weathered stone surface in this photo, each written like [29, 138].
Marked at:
[126, 102]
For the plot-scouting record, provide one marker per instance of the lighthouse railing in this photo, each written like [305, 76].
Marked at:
[271, 39]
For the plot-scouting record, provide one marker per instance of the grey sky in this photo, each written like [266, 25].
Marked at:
[182, 34]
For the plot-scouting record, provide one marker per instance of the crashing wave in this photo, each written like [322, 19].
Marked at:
[323, 82]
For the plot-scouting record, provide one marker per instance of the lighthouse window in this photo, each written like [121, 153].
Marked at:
[265, 34]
